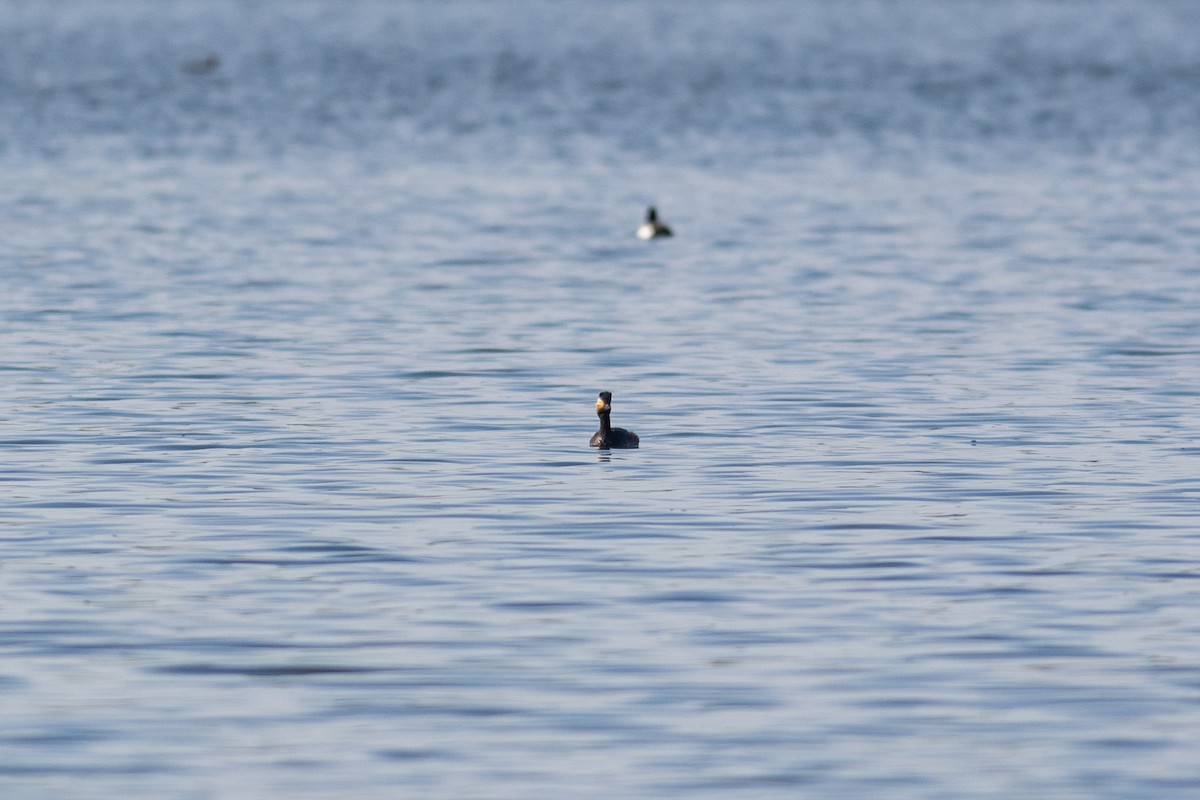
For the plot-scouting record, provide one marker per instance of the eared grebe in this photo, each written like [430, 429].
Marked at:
[652, 228]
[609, 437]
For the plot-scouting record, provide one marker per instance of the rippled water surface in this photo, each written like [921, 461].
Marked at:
[299, 347]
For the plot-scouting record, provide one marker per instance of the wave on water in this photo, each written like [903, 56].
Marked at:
[575, 80]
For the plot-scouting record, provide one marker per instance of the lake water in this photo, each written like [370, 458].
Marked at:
[305, 307]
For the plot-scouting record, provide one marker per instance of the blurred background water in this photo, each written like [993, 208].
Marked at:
[306, 306]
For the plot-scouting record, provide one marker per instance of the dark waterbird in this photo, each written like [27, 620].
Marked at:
[609, 437]
[202, 66]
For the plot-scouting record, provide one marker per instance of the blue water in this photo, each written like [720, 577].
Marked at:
[305, 307]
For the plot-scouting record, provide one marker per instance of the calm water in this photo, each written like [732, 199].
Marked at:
[300, 348]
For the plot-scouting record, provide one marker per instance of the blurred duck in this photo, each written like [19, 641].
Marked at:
[652, 228]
